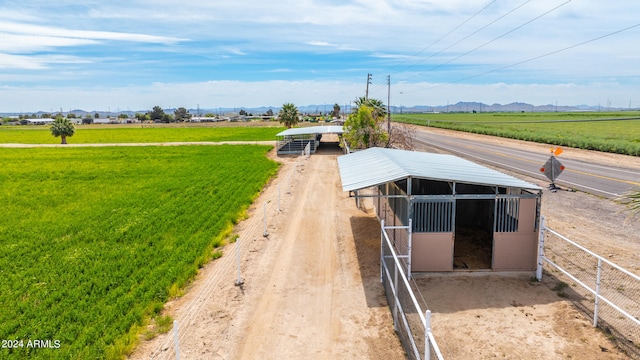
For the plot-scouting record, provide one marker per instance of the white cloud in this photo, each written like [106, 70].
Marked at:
[319, 43]
[164, 40]
[213, 94]
[50, 31]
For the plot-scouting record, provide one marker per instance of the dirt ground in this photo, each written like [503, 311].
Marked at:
[311, 287]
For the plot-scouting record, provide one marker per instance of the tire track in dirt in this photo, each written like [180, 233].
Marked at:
[301, 280]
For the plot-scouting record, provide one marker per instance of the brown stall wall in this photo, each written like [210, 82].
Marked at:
[519, 250]
[432, 252]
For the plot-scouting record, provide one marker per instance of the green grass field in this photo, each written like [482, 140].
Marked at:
[131, 134]
[591, 131]
[93, 241]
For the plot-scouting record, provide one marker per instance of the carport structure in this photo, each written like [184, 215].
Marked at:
[445, 213]
[293, 141]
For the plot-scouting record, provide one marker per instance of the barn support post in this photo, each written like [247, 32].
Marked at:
[540, 249]
[409, 242]
[395, 297]
[382, 251]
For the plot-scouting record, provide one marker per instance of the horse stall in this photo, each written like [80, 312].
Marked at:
[294, 140]
[446, 213]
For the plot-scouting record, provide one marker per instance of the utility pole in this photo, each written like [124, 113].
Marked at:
[389, 104]
[366, 95]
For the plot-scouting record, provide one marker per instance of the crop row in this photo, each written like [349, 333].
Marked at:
[88, 135]
[598, 131]
[93, 240]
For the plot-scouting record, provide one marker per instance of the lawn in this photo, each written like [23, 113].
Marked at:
[93, 241]
[131, 134]
[605, 131]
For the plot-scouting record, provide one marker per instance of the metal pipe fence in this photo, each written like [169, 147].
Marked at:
[412, 324]
[597, 286]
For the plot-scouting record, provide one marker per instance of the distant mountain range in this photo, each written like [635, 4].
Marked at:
[327, 108]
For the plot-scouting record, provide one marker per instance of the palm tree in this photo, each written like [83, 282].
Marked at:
[289, 115]
[62, 127]
[379, 110]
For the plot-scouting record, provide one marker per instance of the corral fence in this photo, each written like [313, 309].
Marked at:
[411, 323]
[594, 284]
[597, 286]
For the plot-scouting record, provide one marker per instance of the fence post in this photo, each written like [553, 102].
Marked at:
[239, 281]
[597, 304]
[176, 337]
[396, 298]
[427, 330]
[409, 241]
[382, 251]
[264, 217]
[540, 249]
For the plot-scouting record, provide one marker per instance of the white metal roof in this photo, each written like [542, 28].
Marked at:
[312, 130]
[375, 166]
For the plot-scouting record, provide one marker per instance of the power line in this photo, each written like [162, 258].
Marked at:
[441, 38]
[501, 36]
[451, 31]
[473, 33]
[484, 27]
[540, 56]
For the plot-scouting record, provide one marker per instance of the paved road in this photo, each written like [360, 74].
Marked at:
[601, 179]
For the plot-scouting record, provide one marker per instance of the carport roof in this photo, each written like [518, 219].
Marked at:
[376, 166]
[312, 130]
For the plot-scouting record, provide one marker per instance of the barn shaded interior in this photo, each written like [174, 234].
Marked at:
[473, 236]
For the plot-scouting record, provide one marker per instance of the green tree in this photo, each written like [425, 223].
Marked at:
[336, 111]
[363, 130]
[289, 115]
[62, 127]
[157, 114]
[181, 114]
[97, 115]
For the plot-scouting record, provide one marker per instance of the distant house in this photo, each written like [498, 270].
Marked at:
[43, 121]
[204, 119]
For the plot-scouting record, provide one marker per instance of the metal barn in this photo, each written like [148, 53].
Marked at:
[447, 213]
[293, 141]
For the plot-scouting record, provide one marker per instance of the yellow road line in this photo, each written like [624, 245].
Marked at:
[566, 169]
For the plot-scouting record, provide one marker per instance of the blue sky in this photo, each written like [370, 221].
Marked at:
[135, 54]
